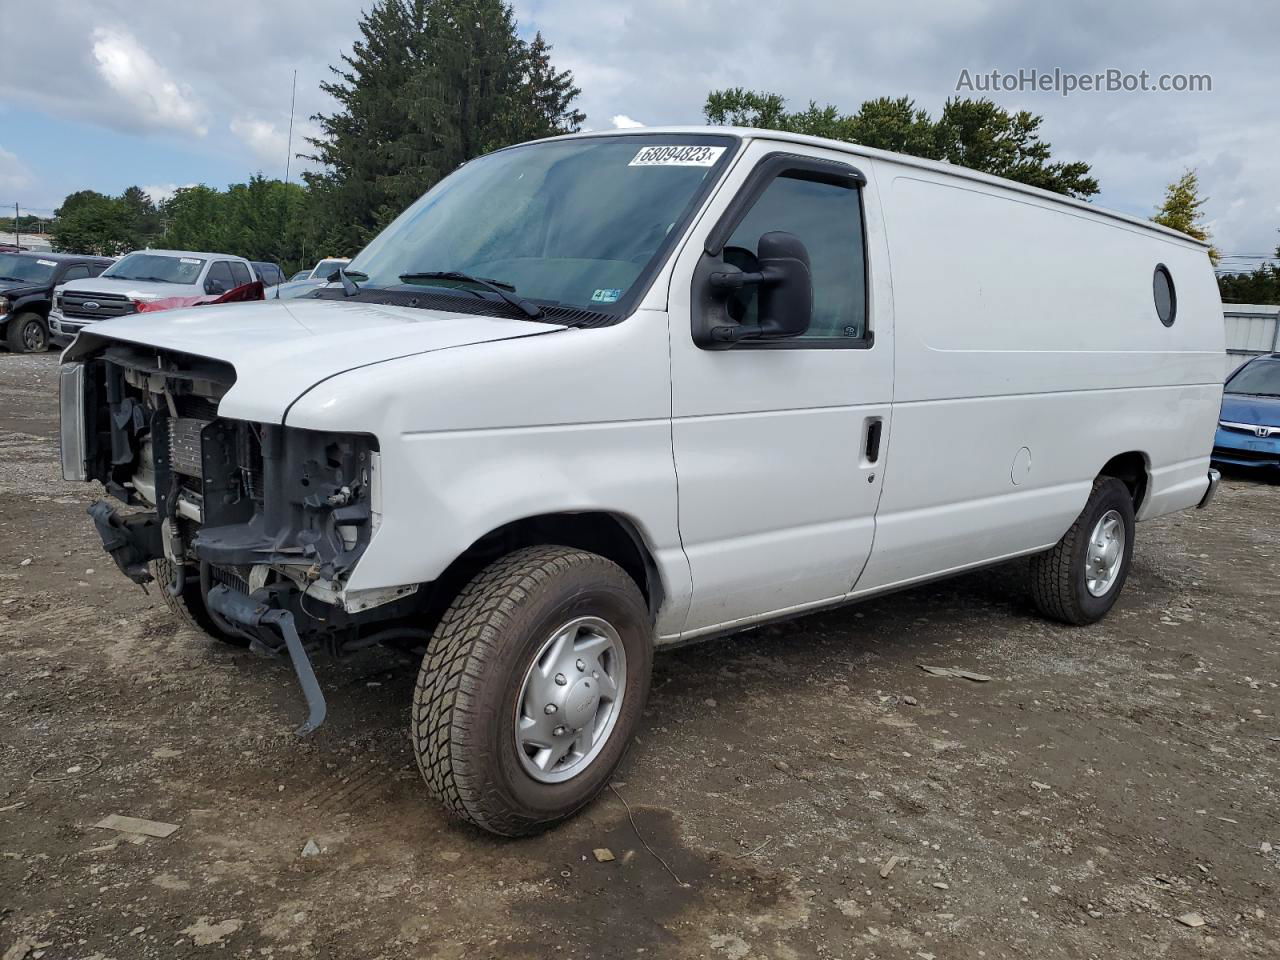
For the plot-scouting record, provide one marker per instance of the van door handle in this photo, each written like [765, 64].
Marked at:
[871, 450]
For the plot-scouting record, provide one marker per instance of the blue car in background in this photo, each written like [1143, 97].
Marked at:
[1249, 425]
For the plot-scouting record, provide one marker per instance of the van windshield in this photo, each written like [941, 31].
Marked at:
[156, 268]
[574, 222]
[1259, 379]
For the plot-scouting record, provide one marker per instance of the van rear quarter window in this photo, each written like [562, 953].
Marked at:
[1166, 296]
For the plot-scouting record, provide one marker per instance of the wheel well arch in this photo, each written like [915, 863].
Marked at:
[38, 307]
[610, 535]
[1133, 470]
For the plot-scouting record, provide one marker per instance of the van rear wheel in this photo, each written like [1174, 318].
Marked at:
[531, 688]
[1080, 579]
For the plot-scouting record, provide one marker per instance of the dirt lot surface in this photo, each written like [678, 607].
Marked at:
[1105, 782]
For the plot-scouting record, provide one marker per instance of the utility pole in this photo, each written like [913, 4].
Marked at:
[17, 233]
[289, 154]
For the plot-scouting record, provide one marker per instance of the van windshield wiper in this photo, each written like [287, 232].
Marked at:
[506, 291]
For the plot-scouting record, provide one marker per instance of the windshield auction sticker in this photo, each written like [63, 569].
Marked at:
[685, 156]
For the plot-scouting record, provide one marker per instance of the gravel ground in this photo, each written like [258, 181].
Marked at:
[1105, 782]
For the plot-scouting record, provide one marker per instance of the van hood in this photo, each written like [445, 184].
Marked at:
[133, 289]
[282, 348]
[1247, 408]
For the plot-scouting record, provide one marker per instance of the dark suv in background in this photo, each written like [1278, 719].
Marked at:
[26, 293]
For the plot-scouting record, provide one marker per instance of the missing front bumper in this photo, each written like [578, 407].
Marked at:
[255, 615]
[133, 541]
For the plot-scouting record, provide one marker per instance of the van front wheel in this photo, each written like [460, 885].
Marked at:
[532, 685]
[188, 604]
[1079, 580]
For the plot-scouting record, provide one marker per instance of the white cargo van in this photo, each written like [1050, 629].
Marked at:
[600, 394]
[142, 276]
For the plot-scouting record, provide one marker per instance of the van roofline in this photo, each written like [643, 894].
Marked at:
[936, 166]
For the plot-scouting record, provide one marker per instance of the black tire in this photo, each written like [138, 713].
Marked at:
[189, 606]
[27, 333]
[465, 704]
[1058, 576]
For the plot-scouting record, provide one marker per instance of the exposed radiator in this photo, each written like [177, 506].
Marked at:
[184, 445]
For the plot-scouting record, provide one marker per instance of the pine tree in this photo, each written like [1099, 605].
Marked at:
[430, 85]
[144, 219]
[1181, 210]
[546, 95]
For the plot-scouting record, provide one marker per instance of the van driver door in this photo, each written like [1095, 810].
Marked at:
[780, 445]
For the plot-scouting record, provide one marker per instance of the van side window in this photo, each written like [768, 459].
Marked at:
[241, 273]
[827, 218]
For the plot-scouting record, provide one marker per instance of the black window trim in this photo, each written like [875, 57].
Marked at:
[822, 170]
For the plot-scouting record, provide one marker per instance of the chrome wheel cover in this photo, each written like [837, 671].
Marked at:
[1105, 555]
[570, 699]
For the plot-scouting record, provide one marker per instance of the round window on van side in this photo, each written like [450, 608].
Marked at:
[1166, 296]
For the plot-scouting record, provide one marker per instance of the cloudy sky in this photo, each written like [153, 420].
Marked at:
[106, 93]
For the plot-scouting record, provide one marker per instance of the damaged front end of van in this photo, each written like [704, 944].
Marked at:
[255, 525]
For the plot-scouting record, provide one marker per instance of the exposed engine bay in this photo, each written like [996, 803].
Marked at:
[260, 523]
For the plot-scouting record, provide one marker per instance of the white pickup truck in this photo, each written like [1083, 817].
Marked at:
[142, 276]
[599, 394]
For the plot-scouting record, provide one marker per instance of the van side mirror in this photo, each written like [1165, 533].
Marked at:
[785, 297]
[214, 286]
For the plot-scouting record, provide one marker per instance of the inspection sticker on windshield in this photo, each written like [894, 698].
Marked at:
[190, 260]
[607, 295]
[685, 156]
[47, 263]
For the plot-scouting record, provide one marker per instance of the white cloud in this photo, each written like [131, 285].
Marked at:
[622, 122]
[158, 100]
[13, 173]
[267, 142]
[160, 192]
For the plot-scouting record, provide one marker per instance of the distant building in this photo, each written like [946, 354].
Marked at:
[32, 241]
[1251, 328]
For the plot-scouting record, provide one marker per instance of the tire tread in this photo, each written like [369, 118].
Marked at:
[1052, 573]
[446, 701]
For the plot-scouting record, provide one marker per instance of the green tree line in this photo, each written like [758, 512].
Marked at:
[1261, 285]
[971, 133]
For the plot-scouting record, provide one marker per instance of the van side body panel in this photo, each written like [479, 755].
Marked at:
[1029, 353]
